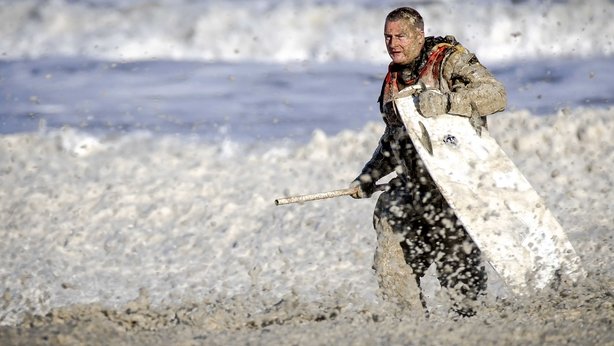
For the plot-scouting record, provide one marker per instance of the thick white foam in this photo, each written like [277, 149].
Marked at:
[193, 221]
[293, 30]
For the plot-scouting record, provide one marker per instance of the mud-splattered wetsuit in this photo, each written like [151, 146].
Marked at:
[413, 205]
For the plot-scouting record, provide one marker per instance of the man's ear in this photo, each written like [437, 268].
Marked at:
[420, 36]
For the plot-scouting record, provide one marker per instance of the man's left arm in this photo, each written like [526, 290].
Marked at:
[472, 87]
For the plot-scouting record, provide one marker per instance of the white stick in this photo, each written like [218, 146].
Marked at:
[316, 196]
[322, 195]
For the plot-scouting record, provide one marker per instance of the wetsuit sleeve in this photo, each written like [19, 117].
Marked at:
[472, 85]
[382, 161]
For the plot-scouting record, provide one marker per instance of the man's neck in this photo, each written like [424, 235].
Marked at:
[406, 72]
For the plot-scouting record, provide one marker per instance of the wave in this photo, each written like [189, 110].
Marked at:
[293, 30]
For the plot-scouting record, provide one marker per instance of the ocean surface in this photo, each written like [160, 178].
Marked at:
[142, 143]
[260, 70]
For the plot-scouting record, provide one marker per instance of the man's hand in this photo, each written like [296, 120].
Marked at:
[365, 185]
[432, 103]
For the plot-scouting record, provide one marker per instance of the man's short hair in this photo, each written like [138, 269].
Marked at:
[409, 14]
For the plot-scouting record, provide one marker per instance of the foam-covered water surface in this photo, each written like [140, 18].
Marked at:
[91, 219]
[251, 102]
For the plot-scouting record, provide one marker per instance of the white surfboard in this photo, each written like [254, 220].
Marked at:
[502, 213]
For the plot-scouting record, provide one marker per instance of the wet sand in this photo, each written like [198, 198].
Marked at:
[574, 316]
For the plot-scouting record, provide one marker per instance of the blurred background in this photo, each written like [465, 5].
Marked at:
[258, 70]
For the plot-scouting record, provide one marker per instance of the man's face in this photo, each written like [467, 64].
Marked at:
[403, 41]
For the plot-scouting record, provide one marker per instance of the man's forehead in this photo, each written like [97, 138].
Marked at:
[406, 25]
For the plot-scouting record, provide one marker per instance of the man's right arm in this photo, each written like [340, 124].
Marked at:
[380, 165]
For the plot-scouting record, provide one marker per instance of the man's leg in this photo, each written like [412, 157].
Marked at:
[459, 266]
[401, 257]
[418, 253]
[395, 278]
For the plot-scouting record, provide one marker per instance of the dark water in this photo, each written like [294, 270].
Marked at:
[251, 101]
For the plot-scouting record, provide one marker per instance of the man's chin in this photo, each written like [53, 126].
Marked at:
[398, 59]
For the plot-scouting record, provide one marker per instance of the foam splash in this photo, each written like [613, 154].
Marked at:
[188, 222]
[293, 30]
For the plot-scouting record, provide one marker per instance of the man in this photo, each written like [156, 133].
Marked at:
[456, 83]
